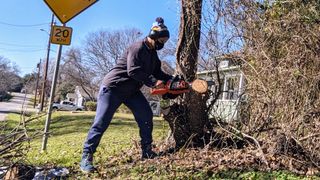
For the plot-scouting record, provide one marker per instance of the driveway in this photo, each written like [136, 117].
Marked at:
[16, 104]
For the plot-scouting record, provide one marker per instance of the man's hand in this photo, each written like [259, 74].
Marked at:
[178, 86]
[159, 88]
[159, 84]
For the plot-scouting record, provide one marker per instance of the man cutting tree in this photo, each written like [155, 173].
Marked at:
[140, 65]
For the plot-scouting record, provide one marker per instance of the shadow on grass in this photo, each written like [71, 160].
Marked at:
[10, 111]
[75, 123]
[81, 124]
[70, 124]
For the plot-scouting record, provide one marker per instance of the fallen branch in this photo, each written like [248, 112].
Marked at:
[255, 141]
[309, 136]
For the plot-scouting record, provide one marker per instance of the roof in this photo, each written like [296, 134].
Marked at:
[224, 69]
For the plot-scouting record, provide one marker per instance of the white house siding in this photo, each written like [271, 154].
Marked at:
[232, 88]
[225, 109]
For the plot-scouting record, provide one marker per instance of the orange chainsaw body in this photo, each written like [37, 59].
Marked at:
[176, 87]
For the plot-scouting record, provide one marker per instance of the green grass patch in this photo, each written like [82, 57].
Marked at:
[69, 131]
[256, 175]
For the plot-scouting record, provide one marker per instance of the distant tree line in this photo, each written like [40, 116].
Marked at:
[9, 78]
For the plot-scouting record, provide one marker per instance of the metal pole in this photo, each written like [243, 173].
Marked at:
[37, 83]
[46, 68]
[53, 87]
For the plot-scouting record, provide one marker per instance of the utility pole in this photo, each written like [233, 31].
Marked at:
[44, 83]
[36, 94]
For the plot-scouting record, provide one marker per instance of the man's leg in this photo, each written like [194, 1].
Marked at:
[107, 104]
[143, 115]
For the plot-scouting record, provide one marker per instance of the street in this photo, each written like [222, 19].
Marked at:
[15, 105]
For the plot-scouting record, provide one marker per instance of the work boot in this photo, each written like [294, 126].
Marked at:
[147, 153]
[86, 164]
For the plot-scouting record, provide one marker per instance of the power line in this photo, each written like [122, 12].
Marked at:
[19, 45]
[25, 50]
[23, 25]
[21, 50]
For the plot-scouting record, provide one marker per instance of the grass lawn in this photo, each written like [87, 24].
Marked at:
[69, 130]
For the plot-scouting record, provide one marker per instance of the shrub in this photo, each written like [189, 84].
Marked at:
[91, 106]
[4, 96]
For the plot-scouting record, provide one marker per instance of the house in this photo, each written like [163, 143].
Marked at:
[231, 86]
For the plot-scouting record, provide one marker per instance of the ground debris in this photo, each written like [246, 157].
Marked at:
[198, 160]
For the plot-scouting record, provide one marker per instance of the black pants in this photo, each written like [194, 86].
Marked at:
[108, 102]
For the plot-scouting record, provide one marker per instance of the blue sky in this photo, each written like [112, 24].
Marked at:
[22, 42]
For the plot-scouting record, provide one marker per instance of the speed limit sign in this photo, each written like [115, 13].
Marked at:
[61, 35]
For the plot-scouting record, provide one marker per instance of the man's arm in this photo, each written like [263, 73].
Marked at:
[135, 70]
[159, 74]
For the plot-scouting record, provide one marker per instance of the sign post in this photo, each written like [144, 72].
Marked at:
[53, 88]
[65, 10]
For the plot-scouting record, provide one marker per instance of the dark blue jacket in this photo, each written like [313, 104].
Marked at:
[139, 65]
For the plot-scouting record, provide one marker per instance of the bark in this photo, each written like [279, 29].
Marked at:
[188, 117]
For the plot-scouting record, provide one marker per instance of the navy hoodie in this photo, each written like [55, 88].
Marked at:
[138, 65]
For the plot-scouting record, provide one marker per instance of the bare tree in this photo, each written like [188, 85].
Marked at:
[29, 81]
[103, 48]
[74, 71]
[8, 75]
[87, 66]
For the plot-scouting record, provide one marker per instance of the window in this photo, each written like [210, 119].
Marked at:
[232, 88]
[67, 103]
[228, 87]
[221, 88]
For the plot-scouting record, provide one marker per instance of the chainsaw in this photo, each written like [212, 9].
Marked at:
[178, 85]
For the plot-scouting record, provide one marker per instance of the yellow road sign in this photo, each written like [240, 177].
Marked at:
[65, 10]
[61, 35]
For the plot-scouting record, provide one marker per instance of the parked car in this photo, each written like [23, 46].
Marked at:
[66, 106]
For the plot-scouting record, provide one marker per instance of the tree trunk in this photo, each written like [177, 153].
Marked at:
[187, 117]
